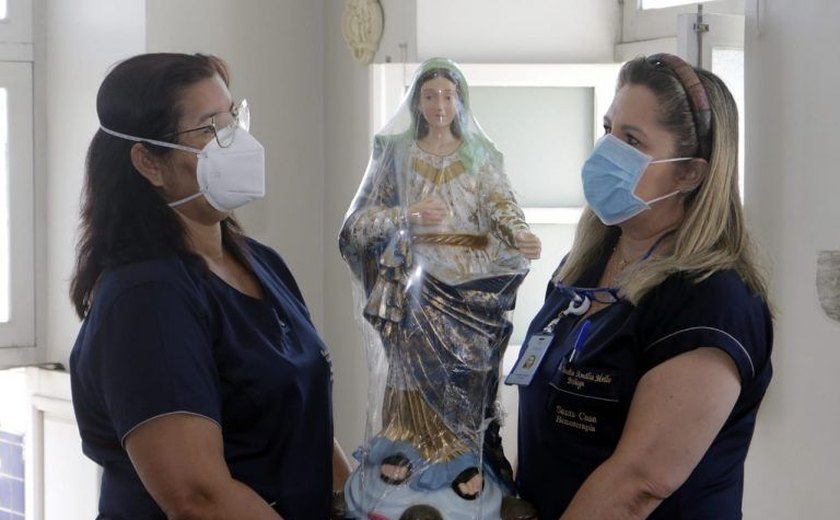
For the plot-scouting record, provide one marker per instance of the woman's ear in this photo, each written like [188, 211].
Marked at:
[147, 164]
[692, 174]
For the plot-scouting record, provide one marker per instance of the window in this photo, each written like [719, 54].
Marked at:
[17, 242]
[17, 299]
[5, 243]
[645, 29]
[660, 4]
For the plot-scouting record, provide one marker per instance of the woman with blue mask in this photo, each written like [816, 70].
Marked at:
[200, 384]
[653, 344]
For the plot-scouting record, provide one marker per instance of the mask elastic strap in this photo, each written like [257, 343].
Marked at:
[675, 159]
[150, 141]
[159, 143]
[663, 197]
[185, 199]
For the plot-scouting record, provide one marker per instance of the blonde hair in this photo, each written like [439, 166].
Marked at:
[712, 235]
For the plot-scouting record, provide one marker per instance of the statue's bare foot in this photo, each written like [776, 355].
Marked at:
[421, 512]
[468, 484]
[395, 469]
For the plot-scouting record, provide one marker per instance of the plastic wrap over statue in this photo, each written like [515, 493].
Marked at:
[430, 240]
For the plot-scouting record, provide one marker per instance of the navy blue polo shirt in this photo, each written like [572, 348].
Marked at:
[572, 415]
[167, 336]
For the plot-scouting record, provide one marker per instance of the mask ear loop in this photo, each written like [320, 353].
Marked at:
[186, 199]
[150, 141]
[663, 197]
[189, 149]
[667, 195]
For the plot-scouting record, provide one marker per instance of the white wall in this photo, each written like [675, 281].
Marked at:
[791, 161]
[276, 53]
[346, 116]
[510, 31]
[399, 34]
[80, 40]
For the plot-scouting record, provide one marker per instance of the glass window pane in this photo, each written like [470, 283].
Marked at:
[3, 9]
[545, 134]
[659, 4]
[4, 207]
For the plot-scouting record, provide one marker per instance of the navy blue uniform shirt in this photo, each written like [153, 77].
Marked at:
[167, 336]
[572, 414]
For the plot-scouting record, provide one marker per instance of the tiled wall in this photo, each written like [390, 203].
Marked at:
[11, 476]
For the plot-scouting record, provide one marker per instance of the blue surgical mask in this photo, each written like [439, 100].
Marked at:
[610, 177]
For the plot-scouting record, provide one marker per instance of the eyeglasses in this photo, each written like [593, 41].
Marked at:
[606, 295]
[223, 125]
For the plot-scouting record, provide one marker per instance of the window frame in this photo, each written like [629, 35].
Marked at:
[643, 25]
[684, 3]
[16, 31]
[19, 331]
[18, 335]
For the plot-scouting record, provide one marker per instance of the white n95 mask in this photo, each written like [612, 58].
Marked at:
[228, 177]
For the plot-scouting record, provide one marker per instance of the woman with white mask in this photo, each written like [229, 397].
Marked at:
[199, 381]
[653, 344]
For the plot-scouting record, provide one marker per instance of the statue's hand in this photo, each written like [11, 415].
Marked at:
[528, 244]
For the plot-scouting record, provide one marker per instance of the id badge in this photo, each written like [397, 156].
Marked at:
[524, 370]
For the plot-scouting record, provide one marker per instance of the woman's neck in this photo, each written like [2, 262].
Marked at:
[205, 240]
[636, 241]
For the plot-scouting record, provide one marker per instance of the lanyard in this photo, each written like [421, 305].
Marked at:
[582, 297]
[655, 245]
[578, 306]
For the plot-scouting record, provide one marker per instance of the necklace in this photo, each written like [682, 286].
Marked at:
[622, 262]
[618, 264]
